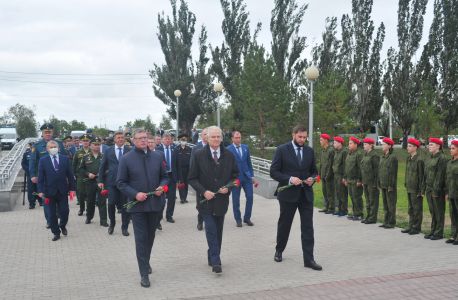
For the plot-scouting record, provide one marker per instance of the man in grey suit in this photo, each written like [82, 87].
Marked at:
[140, 172]
[203, 135]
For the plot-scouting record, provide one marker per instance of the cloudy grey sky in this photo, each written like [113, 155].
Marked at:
[119, 37]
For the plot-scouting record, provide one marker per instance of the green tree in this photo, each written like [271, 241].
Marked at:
[166, 122]
[23, 118]
[427, 123]
[180, 73]
[326, 55]
[402, 84]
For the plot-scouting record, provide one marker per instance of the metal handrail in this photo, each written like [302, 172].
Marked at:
[8, 163]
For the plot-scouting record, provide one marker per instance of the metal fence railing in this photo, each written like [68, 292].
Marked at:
[8, 163]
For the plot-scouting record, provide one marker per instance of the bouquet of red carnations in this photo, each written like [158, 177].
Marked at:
[316, 179]
[233, 183]
[164, 189]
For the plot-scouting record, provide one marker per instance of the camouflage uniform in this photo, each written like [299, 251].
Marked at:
[80, 186]
[338, 167]
[387, 181]
[451, 189]
[327, 178]
[369, 173]
[352, 176]
[415, 169]
[434, 185]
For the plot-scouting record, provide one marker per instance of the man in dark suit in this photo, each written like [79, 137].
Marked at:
[159, 146]
[160, 131]
[293, 163]
[54, 176]
[140, 172]
[152, 147]
[246, 177]
[199, 145]
[174, 173]
[194, 136]
[110, 163]
[76, 145]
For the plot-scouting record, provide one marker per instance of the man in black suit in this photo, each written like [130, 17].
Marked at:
[159, 146]
[140, 172]
[293, 163]
[160, 131]
[199, 145]
[110, 163]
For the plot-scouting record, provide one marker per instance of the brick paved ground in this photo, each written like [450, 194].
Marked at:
[89, 263]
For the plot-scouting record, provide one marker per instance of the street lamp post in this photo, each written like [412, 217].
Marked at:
[218, 88]
[311, 73]
[177, 94]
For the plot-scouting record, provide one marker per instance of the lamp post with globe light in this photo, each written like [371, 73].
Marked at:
[311, 73]
[177, 94]
[218, 88]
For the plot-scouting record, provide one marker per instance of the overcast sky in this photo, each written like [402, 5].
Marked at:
[119, 37]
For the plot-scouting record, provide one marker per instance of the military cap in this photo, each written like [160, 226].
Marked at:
[325, 136]
[128, 134]
[47, 127]
[368, 141]
[353, 139]
[183, 137]
[30, 143]
[339, 139]
[388, 141]
[89, 131]
[96, 140]
[413, 142]
[104, 140]
[68, 138]
[127, 143]
[110, 131]
[436, 141]
[85, 137]
[455, 143]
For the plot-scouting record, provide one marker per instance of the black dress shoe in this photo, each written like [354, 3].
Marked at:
[357, 218]
[145, 281]
[249, 223]
[150, 270]
[48, 226]
[323, 210]
[41, 203]
[55, 237]
[31, 207]
[185, 201]
[171, 220]
[313, 265]
[159, 226]
[449, 241]
[412, 232]
[119, 211]
[278, 256]
[217, 269]
[64, 230]
[110, 229]
[350, 218]
[363, 221]
[455, 243]
[239, 224]
[386, 227]
[80, 213]
[436, 237]
[382, 225]
[210, 263]
[104, 224]
[368, 222]
[406, 230]
[200, 226]
[329, 212]
[125, 233]
[428, 236]
[88, 221]
[182, 202]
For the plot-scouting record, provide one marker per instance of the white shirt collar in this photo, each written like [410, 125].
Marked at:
[218, 151]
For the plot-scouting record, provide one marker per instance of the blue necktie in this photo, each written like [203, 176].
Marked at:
[239, 152]
[120, 154]
[167, 158]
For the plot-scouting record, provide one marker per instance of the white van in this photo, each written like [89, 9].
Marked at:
[8, 136]
[77, 133]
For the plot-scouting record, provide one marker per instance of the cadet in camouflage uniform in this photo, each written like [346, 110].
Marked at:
[338, 167]
[434, 187]
[80, 186]
[353, 180]
[415, 173]
[89, 170]
[387, 182]
[327, 175]
[451, 192]
[369, 173]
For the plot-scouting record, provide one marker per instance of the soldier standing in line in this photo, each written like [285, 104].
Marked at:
[31, 187]
[338, 167]
[451, 192]
[80, 186]
[415, 173]
[353, 180]
[387, 182]
[327, 175]
[185, 157]
[434, 188]
[369, 173]
[89, 170]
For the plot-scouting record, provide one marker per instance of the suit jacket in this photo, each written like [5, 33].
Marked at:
[161, 132]
[177, 174]
[110, 163]
[49, 182]
[196, 147]
[244, 162]
[160, 148]
[142, 172]
[103, 148]
[286, 165]
[72, 150]
[195, 137]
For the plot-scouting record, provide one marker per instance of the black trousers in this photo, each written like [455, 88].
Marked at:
[171, 197]
[184, 191]
[59, 203]
[145, 224]
[287, 212]
[115, 198]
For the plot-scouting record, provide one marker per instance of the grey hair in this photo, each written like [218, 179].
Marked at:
[52, 142]
[138, 130]
[166, 135]
[214, 128]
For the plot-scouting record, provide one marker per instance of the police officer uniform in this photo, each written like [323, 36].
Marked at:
[80, 186]
[31, 187]
[185, 158]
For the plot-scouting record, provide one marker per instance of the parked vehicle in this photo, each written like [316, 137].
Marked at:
[8, 136]
[78, 133]
[408, 137]
[379, 140]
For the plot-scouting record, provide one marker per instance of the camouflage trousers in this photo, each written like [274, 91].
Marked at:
[341, 193]
[437, 210]
[372, 202]
[389, 206]
[454, 217]
[328, 188]
[356, 196]
[415, 211]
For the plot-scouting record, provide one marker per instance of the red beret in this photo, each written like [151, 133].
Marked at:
[326, 136]
[355, 140]
[388, 141]
[436, 141]
[455, 142]
[414, 142]
[339, 139]
[368, 141]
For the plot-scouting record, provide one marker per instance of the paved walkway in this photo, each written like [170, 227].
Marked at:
[89, 263]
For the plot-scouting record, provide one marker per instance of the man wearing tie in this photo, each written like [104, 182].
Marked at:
[246, 177]
[294, 163]
[199, 145]
[54, 175]
[76, 145]
[159, 146]
[107, 180]
[160, 131]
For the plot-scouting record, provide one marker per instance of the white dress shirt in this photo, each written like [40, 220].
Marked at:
[117, 150]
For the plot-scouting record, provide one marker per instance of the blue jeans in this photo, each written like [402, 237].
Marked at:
[214, 232]
[247, 186]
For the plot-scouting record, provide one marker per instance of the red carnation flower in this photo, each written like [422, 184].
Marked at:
[317, 178]
[238, 182]
[104, 192]
[165, 188]
[165, 165]
[256, 185]
[47, 201]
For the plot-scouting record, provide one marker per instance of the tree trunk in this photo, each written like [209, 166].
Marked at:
[262, 141]
[404, 139]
